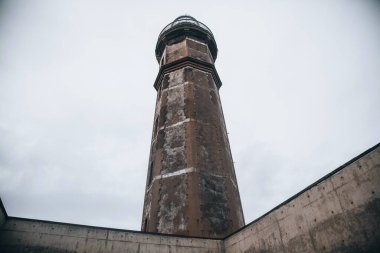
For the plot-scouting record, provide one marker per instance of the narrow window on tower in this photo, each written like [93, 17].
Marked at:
[155, 126]
[159, 93]
[163, 58]
[150, 172]
[145, 225]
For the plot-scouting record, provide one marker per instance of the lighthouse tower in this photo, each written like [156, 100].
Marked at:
[191, 186]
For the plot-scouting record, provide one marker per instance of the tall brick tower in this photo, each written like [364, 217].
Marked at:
[191, 186]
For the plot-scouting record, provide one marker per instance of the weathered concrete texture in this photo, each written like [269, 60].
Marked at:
[21, 235]
[3, 213]
[339, 214]
[191, 184]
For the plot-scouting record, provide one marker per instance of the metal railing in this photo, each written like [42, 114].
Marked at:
[185, 20]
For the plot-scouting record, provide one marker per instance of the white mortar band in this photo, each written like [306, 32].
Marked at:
[176, 86]
[184, 171]
[176, 173]
[172, 174]
[182, 122]
[177, 124]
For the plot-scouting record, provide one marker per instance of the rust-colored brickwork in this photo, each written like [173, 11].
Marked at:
[191, 184]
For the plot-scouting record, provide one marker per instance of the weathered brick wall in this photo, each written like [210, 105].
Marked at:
[191, 184]
[339, 214]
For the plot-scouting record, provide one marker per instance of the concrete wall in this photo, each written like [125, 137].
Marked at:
[340, 213]
[22, 235]
[3, 214]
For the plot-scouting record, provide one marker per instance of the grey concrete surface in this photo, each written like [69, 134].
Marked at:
[339, 214]
[3, 213]
[21, 235]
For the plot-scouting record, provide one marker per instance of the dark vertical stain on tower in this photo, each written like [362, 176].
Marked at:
[215, 202]
[191, 186]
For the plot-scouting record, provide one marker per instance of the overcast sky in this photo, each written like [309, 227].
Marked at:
[301, 96]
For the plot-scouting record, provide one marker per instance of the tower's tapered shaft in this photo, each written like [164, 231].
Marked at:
[191, 185]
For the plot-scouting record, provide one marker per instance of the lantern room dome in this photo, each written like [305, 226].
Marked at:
[182, 27]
